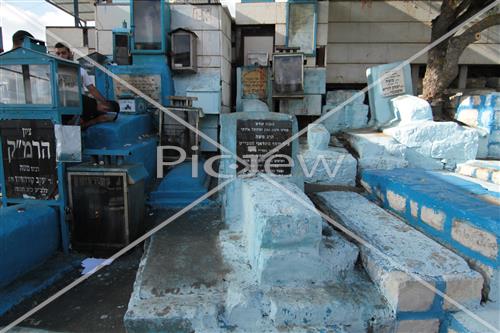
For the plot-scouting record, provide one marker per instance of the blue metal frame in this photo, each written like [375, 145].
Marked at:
[165, 22]
[26, 56]
[302, 2]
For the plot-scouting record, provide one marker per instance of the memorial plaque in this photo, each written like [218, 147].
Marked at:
[150, 85]
[29, 159]
[255, 138]
[393, 84]
[255, 83]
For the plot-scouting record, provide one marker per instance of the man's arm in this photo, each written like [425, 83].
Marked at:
[94, 92]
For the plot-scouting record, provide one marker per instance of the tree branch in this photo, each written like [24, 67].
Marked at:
[469, 36]
[473, 8]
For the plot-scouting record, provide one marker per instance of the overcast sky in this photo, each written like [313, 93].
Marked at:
[37, 15]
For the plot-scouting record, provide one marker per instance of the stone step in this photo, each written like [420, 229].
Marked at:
[488, 171]
[459, 214]
[398, 257]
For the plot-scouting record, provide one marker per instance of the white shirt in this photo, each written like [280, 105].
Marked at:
[86, 80]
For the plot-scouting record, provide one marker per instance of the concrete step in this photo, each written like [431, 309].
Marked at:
[457, 213]
[488, 171]
[398, 257]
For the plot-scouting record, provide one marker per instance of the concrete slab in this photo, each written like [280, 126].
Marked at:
[394, 254]
[180, 281]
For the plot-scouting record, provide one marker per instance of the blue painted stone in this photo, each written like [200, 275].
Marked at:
[483, 112]
[115, 135]
[352, 116]
[180, 187]
[315, 81]
[29, 235]
[380, 105]
[458, 199]
[336, 97]
[254, 105]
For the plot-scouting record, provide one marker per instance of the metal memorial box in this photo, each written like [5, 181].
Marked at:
[184, 52]
[107, 205]
[288, 75]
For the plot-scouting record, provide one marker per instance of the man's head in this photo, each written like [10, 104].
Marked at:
[18, 38]
[63, 51]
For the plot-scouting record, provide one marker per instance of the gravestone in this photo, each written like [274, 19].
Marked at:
[250, 136]
[253, 83]
[387, 82]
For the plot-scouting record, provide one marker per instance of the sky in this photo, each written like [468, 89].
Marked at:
[37, 15]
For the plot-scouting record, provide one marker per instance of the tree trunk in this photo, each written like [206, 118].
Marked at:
[442, 63]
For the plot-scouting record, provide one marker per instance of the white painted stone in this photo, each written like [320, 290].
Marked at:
[433, 218]
[334, 166]
[377, 151]
[398, 255]
[483, 174]
[318, 137]
[465, 169]
[414, 208]
[476, 239]
[465, 292]
[418, 326]
[495, 177]
[410, 108]
[439, 140]
[396, 201]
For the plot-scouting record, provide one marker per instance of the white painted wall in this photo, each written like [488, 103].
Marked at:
[387, 31]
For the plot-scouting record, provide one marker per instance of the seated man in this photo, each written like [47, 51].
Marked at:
[95, 110]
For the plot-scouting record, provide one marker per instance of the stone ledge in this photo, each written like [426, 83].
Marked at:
[396, 250]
